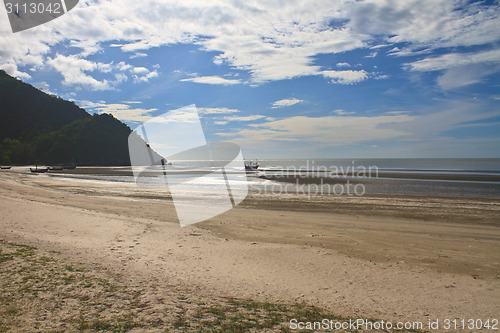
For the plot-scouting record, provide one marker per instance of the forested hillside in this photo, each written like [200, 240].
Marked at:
[39, 128]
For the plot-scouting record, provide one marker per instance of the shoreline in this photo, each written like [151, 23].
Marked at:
[305, 177]
[386, 257]
[463, 185]
[459, 209]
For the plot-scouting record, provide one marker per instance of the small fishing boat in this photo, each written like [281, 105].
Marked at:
[37, 170]
[55, 168]
[252, 165]
[5, 167]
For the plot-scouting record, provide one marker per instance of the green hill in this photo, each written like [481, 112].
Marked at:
[39, 128]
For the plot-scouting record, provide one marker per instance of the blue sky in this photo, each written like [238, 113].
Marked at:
[283, 79]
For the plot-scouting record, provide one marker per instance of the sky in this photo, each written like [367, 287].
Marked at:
[282, 78]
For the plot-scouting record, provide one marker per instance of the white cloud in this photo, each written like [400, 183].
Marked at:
[217, 110]
[330, 130]
[244, 118]
[286, 102]
[343, 65]
[448, 117]
[140, 70]
[341, 112]
[145, 78]
[463, 76]
[180, 116]
[396, 51]
[104, 68]
[74, 69]
[428, 23]
[124, 67]
[455, 60]
[379, 46]
[120, 77]
[77, 71]
[123, 112]
[460, 69]
[11, 69]
[89, 104]
[138, 55]
[87, 46]
[212, 80]
[346, 77]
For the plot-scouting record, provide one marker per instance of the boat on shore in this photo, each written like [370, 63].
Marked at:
[55, 168]
[5, 167]
[38, 170]
[252, 166]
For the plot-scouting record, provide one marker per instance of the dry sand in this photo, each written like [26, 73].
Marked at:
[386, 257]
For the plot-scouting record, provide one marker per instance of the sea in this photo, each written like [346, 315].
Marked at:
[431, 177]
[436, 176]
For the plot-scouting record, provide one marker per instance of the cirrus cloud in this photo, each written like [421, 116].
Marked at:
[212, 80]
[286, 102]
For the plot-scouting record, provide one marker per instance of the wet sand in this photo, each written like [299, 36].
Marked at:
[311, 178]
[385, 257]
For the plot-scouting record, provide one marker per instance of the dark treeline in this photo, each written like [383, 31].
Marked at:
[39, 128]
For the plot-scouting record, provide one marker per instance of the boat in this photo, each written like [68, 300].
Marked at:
[5, 167]
[55, 168]
[252, 165]
[37, 170]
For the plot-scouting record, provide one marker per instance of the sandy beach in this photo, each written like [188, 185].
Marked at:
[384, 257]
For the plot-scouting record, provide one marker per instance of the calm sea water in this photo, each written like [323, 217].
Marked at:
[433, 164]
[455, 177]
